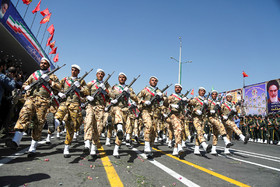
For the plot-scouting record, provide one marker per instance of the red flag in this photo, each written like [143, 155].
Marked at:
[51, 29]
[49, 40]
[55, 59]
[46, 19]
[53, 51]
[37, 8]
[27, 2]
[192, 91]
[244, 74]
[52, 44]
[45, 12]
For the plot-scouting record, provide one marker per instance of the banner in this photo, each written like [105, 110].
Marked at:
[16, 26]
[255, 99]
[273, 96]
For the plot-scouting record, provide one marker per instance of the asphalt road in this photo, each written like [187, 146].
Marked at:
[253, 164]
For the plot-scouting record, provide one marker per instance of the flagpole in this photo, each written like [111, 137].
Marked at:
[17, 3]
[44, 32]
[33, 20]
[26, 11]
[38, 30]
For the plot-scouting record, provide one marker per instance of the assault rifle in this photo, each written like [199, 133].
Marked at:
[204, 106]
[181, 103]
[124, 94]
[70, 91]
[99, 89]
[38, 83]
[156, 97]
[217, 108]
[135, 110]
[233, 112]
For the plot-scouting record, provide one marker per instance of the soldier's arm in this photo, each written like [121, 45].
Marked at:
[84, 88]
[28, 81]
[133, 95]
[55, 84]
[141, 96]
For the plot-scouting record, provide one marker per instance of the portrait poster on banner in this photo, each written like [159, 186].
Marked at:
[255, 99]
[273, 96]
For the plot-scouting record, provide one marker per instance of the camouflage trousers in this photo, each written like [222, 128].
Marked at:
[150, 126]
[218, 128]
[177, 124]
[35, 110]
[137, 127]
[197, 122]
[93, 123]
[73, 121]
[185, 130]
[119, 117]
[230, 128]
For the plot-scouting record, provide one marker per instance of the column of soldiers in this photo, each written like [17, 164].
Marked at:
[118, 109]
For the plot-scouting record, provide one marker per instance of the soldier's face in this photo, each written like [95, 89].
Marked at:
[178, 89]
[214, 95]
[122, 79]
[153, 82]
[100, 75]
[229, 98]
[201, 92]
[44, 65]
[74, 72]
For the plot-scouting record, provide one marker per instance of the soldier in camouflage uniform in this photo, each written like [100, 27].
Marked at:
[218, 127]
[228, 109]
[119, 111]
[94, 120]
[263, 129]
[71, 105]
[150, 113]
[198, 117]
[176, 117]
[35, 107]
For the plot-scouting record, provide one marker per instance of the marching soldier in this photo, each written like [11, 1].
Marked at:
[197, 115]
[228, 110]
[177, 107]
[218, 127]
[119, 110]
[94, 120]
[35, 106]
[150, 113]
[71, 105]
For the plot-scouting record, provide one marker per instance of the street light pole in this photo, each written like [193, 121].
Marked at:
[180, 61]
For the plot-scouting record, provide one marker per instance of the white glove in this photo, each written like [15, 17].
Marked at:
[45, 77]
[126, 89]
[198, 112]
[159, 94]
[133, 104]
[77, 84]
[218, 103]
[165, 115]
[174, 106]
[102, 86]
[225, 117]
[212, 111]
[114, 101]
[185, 99]
[205, 101]
[61, 95]
[233, 109]
[90, 98]
[27, 87]
[147, 103]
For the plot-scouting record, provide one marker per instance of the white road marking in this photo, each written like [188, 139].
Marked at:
[252, 153]
[171, 172]
[16, 155]
[253, 163]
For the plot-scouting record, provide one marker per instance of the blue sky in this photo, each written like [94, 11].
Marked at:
[221, 37]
